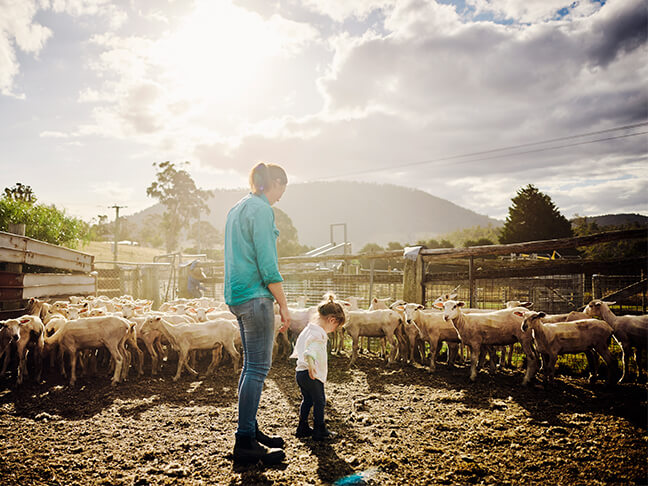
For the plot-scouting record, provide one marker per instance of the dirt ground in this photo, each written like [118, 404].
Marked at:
[398, 425]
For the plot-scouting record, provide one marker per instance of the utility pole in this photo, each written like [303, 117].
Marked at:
[116, 235]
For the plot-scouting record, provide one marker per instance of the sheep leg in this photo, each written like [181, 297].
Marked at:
[592, 364]
[73, 363]
[394, 344]
[113, 349]
[453, 351]
[532, 362]
[234, 354]
[354, 350]
[474, 360]
[610, 361]
[434, 344]
[551, 368]
[22, 360]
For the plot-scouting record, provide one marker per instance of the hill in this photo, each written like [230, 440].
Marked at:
[373, 213]
[616, 219]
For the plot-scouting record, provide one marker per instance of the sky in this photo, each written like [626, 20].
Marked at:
[469, 100]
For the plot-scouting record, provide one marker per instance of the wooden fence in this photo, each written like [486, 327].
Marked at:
[72, 275]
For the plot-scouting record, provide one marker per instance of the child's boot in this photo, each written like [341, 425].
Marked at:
[303, 429]
[320, 432]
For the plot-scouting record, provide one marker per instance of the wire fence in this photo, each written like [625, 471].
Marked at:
[552, 294]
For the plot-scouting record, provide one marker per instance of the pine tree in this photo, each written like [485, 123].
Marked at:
[533, 216]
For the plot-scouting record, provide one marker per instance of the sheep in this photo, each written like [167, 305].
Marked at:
[94, 332]
[571, 316]
[186, 337]
[9, 335]
[433, 328]
[496, 328]
[630, 331]
[372, 323]
[581, 336]
[32, 335]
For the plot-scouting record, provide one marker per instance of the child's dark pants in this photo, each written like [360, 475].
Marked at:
[313, 393]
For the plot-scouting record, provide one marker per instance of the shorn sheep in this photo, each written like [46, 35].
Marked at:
[630, 331]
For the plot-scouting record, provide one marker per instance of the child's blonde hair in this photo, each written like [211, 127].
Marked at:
[329, 308]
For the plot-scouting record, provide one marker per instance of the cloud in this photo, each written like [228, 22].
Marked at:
[341, 10]
[18, 30]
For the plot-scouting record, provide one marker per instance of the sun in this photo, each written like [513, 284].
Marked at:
[217, 52]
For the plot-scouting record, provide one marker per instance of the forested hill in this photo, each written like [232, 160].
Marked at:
[373, 213]
[617, 219]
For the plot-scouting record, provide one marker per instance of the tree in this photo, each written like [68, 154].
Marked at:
[635, 248]
[150, 231]
[20, 192]
[479, 242]
[533, 216]
[45, 223]
[205, 232]
[474, 233]
[432, 243]
[288, 241]
[182, 200]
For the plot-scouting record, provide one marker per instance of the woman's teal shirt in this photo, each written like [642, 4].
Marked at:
[251, 261]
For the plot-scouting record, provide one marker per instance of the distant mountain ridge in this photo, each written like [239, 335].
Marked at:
[616, 219]
[373, 213]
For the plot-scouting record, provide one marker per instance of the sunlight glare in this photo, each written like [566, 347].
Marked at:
[217, 52]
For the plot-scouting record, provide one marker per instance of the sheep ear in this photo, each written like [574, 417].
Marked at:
[438, 305]
[452, 296]
[526, 304]
[610, 303]
[420, 307]
[518, 313]
[460, 304]
[541, 314]
[191, 309]
[400, 307]
[211, 309]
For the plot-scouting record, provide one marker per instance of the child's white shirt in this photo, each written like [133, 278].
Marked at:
[312, 342]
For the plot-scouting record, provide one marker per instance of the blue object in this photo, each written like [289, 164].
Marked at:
[356, 479]
[251, 261]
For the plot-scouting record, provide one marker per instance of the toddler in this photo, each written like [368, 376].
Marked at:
[312, 367]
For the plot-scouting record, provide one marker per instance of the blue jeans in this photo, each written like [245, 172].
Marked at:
[256, 323]
[313, 396]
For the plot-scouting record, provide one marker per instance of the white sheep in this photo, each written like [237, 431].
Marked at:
[630, 331]
[498, 328]
[581, 336]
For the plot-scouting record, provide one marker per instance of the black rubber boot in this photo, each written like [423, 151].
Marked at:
[303, 430]
[274, 442]
[320, 432]
[248, 451]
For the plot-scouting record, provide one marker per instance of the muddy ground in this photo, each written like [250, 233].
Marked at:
[398, 425]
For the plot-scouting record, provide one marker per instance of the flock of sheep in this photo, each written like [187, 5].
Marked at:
[117, 333]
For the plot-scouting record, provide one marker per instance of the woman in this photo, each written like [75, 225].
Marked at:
[252, 282]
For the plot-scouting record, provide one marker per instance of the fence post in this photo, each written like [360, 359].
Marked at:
[151, 285]
[596, 287]
[413, 280]
[471, 282]
[371, 278]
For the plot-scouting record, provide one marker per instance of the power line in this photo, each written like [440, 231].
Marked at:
[504, 149]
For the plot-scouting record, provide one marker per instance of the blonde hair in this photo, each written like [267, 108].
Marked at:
[262, 175]
[330, 308]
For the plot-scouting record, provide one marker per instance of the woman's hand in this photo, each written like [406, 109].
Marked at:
[285, 318]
